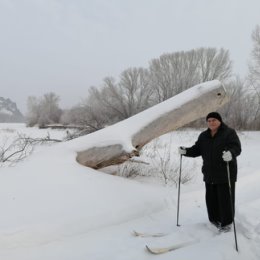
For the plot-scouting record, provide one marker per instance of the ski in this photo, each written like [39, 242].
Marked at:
[140, 234]
[162, 250]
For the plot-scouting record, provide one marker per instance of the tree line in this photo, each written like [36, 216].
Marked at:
[137, 89]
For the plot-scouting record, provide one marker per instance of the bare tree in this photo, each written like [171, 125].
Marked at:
[254, 66]
[239, 112]
[134, 84]
[127, 97]
[254, 74]
[173, 73]
[214, 64]
[44, 110]
[50, 111]
[33, 111]
[139, 88]
[86, 116]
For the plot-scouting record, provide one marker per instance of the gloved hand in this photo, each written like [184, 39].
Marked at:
[182, 150]
[227, 156]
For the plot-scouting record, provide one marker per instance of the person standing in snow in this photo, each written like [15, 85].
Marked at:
[217, 145]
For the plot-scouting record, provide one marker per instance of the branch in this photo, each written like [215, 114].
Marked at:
[21, 147]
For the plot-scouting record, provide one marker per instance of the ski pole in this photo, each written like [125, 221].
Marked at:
[232, 207]
[179, 189]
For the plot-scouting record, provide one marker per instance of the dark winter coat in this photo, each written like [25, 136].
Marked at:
[211, 149]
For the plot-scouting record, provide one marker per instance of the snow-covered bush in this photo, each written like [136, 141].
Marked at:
[160, 160]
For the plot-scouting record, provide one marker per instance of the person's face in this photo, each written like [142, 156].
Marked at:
[213, 124]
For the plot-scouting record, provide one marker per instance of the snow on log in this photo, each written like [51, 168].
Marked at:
[117, 143]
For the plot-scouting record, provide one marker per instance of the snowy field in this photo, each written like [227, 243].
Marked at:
[53, 208]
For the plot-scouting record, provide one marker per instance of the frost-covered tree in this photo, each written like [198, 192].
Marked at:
[254, 66]
[238, 112]
[175, 72]
[86, 115]
[44, 110]
[129, 96]
[139, 88]
[214, 64]
[50, 111]
[33, 111]
[254, 74]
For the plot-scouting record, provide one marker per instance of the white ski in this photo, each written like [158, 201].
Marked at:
[140, 234]
[162, 250]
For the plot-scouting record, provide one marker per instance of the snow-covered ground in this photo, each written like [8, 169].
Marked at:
[53, 208]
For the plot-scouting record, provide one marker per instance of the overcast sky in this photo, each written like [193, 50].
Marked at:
[66, 46]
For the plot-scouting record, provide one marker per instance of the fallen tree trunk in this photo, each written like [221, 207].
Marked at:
[125, 139]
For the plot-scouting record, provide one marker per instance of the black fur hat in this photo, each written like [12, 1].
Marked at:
[215, 115]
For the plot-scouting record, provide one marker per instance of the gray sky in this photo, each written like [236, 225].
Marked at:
[66, 46]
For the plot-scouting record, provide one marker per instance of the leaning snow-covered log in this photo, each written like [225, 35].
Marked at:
[118, 143]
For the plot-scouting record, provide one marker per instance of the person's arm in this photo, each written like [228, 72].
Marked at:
[193, 151]
[233, 143]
